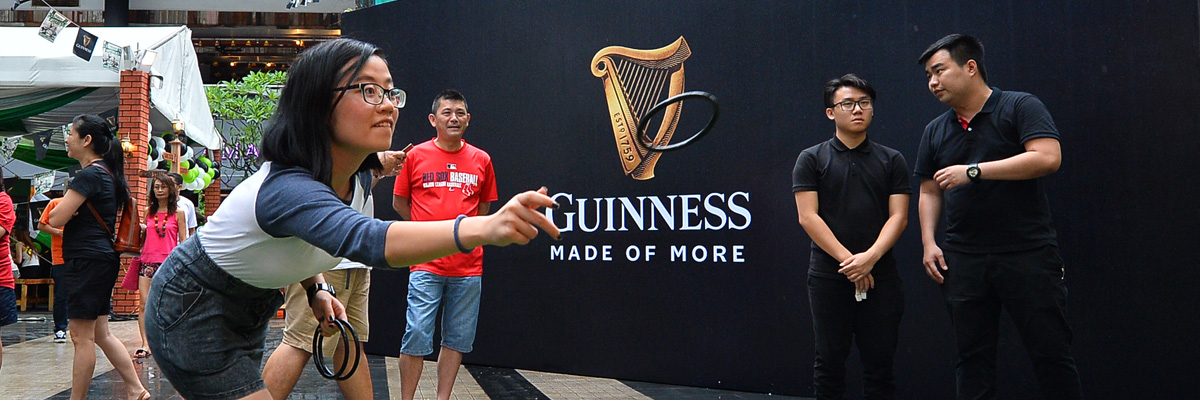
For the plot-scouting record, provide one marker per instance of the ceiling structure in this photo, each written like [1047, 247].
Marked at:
[232, 37]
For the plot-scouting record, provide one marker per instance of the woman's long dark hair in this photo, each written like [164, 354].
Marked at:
[300, 131]
[172, 195]
[106, 145]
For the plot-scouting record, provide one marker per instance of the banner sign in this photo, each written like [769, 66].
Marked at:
[84, 43]
[112, 57]
[42, 182]
[52, 25]
[690, 266]
[41, 143]
[7, 148]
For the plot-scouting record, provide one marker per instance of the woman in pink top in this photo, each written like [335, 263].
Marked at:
[163, 232]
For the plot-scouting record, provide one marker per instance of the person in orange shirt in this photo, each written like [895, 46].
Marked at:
[60, 294]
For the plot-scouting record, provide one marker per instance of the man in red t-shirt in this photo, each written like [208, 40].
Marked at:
[443, 178]
[8, 295]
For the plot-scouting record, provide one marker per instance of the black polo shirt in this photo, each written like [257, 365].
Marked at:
[853, 187]
[991, 216]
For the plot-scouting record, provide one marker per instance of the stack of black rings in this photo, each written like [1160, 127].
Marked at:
[348, 335]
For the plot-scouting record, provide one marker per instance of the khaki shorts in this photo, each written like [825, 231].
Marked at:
[352, 286]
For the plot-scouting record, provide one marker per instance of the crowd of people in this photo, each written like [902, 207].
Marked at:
[208, 293]
[205, 291]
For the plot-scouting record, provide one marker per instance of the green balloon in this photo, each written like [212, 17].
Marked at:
[204, 160]
[185, 164]
[190, 175]
[207, 179]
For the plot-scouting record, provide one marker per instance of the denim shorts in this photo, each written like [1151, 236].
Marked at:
[459, 316]
[207, 329]
[8, 306]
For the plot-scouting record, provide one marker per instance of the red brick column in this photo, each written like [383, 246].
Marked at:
[212, 193]
[133, 116]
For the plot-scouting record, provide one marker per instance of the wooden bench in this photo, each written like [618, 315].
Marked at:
[23, 300]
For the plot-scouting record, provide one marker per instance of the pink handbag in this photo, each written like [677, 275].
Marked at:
[130, 282]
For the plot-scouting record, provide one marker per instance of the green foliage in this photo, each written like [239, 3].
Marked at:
[241, 110]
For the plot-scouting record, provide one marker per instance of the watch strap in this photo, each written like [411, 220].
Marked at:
[312, 290]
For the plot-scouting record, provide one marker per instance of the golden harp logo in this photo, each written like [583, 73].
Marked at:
[634, 82]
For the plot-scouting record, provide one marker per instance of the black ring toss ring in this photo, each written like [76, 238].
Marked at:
[648, 142]
[348, 334]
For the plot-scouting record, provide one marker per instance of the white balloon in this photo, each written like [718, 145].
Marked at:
[161, 145]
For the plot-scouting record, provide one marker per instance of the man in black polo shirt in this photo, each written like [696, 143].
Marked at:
[852, 198]
[982, 161]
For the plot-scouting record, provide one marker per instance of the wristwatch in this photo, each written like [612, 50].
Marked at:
[973, 172]
[312, 290]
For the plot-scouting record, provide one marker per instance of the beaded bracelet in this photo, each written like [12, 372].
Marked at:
[457, 241]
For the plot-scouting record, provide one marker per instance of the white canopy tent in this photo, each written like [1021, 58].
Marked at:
[32, 67]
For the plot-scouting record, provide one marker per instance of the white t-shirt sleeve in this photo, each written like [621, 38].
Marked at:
[190, 211]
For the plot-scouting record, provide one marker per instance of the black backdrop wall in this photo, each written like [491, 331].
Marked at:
[1119, 77]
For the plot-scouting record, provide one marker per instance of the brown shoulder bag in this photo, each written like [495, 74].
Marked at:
[129, 237]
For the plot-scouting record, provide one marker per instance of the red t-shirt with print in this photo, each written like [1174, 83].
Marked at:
[441, 185]
[8, 218]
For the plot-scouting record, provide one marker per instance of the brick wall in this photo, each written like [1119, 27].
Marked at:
[212, 193]
[133, 115]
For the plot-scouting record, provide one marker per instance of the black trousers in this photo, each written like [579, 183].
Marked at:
[839, 322]
[1029, 284]
[60, 297]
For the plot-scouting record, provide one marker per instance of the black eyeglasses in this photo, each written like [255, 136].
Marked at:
[848, 105]
[373, 93]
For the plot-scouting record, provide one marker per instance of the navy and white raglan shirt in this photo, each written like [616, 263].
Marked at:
[279, 227]
[363, 202]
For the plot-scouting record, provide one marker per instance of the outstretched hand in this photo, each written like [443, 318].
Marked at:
[517, 221]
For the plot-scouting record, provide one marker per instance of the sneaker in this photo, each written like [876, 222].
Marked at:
[60, 337]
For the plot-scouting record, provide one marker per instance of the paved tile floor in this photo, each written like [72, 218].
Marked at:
[35, 368]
